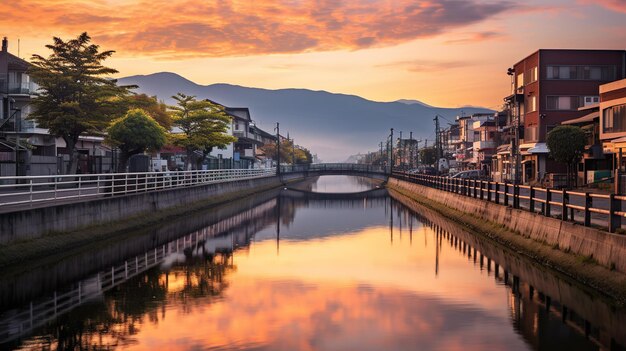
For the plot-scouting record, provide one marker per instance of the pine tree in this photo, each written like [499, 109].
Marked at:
[75, 97]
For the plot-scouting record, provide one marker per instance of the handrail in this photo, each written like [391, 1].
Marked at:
[53, 188]
[570, 203]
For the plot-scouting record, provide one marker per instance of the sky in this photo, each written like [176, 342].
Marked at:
[446, 53]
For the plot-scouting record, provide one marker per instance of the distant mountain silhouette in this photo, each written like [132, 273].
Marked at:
[413, 102]
[334, 126]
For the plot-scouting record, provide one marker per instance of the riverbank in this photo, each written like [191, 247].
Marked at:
[584, 269]
[52, 243]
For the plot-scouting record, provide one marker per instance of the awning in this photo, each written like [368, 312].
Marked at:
[584, 119]
[539, 148]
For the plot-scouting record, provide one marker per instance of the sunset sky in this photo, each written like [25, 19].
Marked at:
[445, 53]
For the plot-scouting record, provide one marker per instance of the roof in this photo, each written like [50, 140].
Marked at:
[584, 119]
[15, 63]
[566, 50]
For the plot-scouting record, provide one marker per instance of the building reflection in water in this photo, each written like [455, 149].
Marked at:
[227, 286]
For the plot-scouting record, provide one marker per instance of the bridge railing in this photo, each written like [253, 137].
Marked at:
[340, 167]
[587, 208]
[56, 188]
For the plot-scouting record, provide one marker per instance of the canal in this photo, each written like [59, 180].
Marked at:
[334, 263]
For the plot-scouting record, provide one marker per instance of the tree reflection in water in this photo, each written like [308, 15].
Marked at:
[115, 320]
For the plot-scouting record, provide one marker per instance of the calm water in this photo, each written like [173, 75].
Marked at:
[291, 273]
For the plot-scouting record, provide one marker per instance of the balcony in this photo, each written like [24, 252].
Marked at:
[240, 133]
[486, 144]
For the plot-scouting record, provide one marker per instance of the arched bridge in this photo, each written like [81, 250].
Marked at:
[355, 169]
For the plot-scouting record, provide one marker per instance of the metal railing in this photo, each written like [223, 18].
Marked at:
[341, 167]
[589, 209]
[54, 188]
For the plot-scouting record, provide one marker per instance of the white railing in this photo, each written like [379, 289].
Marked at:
[54, 188]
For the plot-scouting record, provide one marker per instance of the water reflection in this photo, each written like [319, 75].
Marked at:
[338, 184]
[296, 273]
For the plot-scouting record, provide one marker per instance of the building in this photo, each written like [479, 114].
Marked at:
[612, 122]
[548, 87]
[486, 141]
[464, 154]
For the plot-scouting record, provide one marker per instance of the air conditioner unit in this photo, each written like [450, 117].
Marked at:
[591, 100]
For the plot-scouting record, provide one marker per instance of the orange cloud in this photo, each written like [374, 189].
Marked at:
[195, 28]
[476, 37]
[615, 5]
[427, 65]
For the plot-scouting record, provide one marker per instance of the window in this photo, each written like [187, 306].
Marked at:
[614, 119]
[591, 100]
[520, 80]
[564, 102]
[604, 73]
[531, 75]
[532, 103]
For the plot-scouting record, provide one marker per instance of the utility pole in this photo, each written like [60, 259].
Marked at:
[410, 150]
[293, 154]
[400, 154]
[277, 129]
[391, 155]
[417, 153]
[437, 143]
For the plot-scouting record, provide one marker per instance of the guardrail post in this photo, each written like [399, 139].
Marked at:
[615, 220]
[489, 191]
[497, 192]
[516, 196]
[482, 191]
[564, 201]
[548, 200]
[531, 200]
[588, 205]
[506, 194]
[474, 190]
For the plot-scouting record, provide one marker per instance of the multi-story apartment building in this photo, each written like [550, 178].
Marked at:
[464, 153]
[612, 125]
[25, 149]
[548, 87]
[485, 146]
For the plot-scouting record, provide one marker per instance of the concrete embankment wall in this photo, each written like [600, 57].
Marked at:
[36, 223]
[606, 248]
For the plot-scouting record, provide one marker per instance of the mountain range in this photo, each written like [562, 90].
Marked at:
[333, 126]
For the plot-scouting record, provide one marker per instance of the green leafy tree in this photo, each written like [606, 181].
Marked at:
[428, 155]
[154, 108]
[303, 156]
[203, 126]
[75, 97]
[286, 150]
[135, 133]
[566, 145]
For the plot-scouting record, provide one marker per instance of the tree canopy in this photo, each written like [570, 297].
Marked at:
[135, 133]
[154, 108]
[203, 126]
[428, 155]
[566, 145]
[75, 96]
